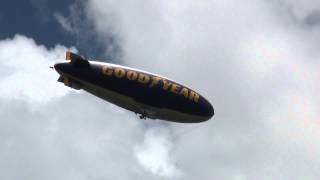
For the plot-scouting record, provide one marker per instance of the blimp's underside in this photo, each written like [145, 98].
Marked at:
[144, 93]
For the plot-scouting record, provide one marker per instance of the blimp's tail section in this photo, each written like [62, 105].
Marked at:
[77, 60]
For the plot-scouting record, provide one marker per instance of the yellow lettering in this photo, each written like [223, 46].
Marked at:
[166, 84]
[185, 92]
[119, 72]
[106, 70]
[131, 75]
[143, 78]
[194, 96]
[175, 88]
[155, 81]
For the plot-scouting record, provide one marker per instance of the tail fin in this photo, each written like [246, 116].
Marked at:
[77, 60]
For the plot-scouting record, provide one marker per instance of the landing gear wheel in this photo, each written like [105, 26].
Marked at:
[143, 115]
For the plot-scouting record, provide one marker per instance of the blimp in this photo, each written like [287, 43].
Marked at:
[147, 94]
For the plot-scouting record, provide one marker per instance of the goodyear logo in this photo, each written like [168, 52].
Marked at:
[150, 81]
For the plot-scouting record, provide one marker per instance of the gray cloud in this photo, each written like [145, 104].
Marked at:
[313, 19]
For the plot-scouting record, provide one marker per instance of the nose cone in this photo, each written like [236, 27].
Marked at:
[207, 110]
[60, 67]
[210, 110]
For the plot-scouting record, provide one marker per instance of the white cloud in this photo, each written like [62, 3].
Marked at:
[50, 132]
[154, 154]
[251, 59]
[25, 70]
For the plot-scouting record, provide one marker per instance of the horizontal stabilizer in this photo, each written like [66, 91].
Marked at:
[70, 82]
[60, 79]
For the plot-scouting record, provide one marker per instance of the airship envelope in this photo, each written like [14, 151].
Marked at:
[150, 95]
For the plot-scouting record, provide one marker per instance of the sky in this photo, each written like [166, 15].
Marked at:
[256, 61]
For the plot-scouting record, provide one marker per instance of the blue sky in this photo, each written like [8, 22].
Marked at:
[37, 19]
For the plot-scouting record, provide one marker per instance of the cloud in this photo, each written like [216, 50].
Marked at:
[64, 22]
[313, 19]
[80, 26]
[48, 131]
[57, 141]
[25, 72]
[301, 9]
[154, 154]
[255, 63]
